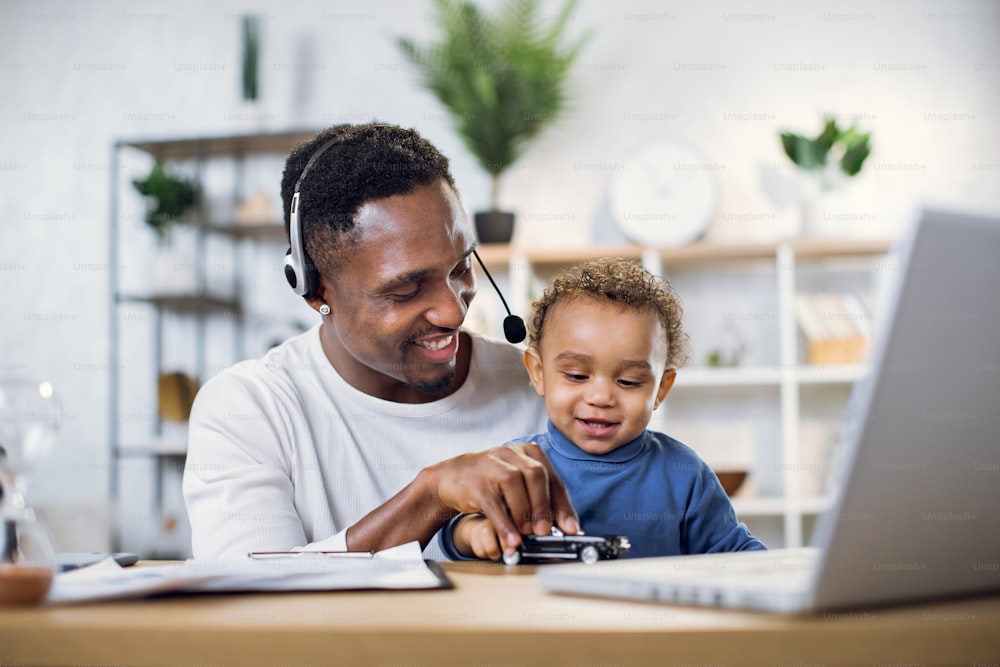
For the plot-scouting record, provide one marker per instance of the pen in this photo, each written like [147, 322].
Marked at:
[265, 555]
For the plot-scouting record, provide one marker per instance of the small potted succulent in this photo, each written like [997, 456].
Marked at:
[828, 161]
[169, 202]
[849, 148]
[503, 78]
[169, 199]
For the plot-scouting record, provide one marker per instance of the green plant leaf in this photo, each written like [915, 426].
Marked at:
[851, 136]
[854, 157]
[824, 142]
[251, 57]
[172, 197]
[502, 76]
[812, 154]
[804, 152]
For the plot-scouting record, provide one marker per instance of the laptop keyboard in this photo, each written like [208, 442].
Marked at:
[775, 564]
[780, 565]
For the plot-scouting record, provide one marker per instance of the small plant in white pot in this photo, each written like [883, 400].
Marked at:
[169, 199]
[827, 162]
[169, 203]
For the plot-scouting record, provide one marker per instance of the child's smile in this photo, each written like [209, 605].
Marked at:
[601, 369]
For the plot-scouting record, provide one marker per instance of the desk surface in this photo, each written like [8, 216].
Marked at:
[493, 617]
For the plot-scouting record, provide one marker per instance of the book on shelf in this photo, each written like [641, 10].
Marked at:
[837, 327]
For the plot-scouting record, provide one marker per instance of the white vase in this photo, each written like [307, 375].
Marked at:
[826, 214]
[173, 268]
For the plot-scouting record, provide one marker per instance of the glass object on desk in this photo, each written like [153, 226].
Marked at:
[29, 418]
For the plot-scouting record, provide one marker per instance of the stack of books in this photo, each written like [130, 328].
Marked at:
[837, 327]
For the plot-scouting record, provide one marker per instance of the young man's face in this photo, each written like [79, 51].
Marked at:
[401, 295]
[600, 368]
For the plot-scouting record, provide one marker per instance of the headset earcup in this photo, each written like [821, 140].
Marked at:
[301, 279]
[291, 272]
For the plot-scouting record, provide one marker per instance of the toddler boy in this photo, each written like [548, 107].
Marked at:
[605, 340]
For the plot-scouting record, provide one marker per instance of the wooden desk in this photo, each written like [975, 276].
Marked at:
[492, 618]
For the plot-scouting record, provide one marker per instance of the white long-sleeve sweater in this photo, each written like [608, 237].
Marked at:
[283, 453]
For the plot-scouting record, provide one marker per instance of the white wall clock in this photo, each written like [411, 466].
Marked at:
[665, 195]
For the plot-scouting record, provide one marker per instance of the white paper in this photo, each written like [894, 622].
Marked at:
[401, 567]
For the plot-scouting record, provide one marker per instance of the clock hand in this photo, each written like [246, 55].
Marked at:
[648, 171]
[663, 187]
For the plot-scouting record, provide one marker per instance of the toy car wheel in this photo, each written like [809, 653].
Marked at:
[589, 554]
[512, 559]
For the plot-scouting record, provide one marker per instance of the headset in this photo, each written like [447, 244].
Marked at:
[303, 278]
[300, 272]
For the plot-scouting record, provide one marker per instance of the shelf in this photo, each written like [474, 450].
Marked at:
[185, 303]
[787, 389]
[704, 252]
[824, 248]
[495, 254]
[558, 256]
[777, 506]
[260, 232]
[694, 253]
[205, 303]
[758, 506]
[767, 376]
[164, 447]
[846, 374]
[222, 146]
[727, 377]
[815, 504]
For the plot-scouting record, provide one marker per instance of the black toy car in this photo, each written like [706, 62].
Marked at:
[557, 546]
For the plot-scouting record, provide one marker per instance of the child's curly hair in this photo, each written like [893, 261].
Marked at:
[623, 282]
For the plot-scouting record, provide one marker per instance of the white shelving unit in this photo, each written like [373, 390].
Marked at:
[774, 384]
[148, 313]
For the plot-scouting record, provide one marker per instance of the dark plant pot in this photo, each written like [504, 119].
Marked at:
[494, 226]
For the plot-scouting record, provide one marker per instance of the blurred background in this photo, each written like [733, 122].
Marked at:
[722, 79]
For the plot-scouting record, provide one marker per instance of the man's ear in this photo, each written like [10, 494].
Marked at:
[322, 295]
[534, 365]
[666, 382]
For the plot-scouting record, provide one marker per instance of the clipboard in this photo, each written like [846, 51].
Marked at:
[438, 571]
[396, 569]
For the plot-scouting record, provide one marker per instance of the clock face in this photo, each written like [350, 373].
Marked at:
[665, 195]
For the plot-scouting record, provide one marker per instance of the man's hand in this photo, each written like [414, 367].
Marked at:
[515, 487]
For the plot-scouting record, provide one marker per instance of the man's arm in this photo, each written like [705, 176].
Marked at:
[240, 497]
[515, 487]
[236, 487]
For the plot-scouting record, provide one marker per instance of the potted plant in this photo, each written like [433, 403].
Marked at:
[828, 160]
[850, 145]
[169, 199]
[502, 77]
[250, 60]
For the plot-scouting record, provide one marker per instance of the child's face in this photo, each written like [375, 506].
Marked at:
[600, 368]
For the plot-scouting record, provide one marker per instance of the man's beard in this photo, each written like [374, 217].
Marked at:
[435, 387]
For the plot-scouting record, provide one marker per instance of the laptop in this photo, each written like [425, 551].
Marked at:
[917, 511]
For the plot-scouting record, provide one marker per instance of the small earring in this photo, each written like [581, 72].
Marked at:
[324, 310]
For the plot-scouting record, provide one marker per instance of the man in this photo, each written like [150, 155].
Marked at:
[367, 431]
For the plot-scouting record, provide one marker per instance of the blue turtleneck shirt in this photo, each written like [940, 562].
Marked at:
[654, 490]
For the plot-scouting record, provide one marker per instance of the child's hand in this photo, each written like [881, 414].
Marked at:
[474, 535]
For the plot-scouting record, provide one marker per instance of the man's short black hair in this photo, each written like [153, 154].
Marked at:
[367, 162]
